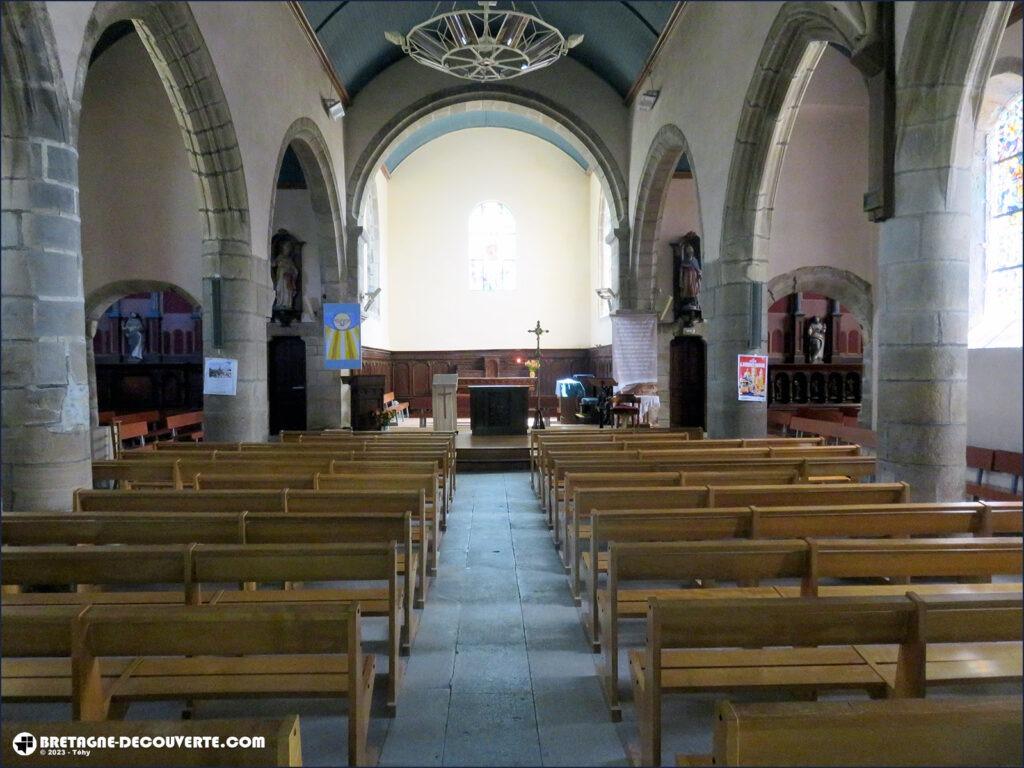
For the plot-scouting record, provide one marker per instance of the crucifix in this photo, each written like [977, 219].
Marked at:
[538, 418]
[537, 331]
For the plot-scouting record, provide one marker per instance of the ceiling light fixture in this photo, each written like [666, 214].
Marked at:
[647, 100]
[334, 109]
[486, 44]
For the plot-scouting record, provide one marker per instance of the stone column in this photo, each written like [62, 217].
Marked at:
[45, 436]
[728, 310]
[923, 315]
[245, 307]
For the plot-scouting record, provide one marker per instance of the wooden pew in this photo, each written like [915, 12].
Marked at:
[710, 645]
[815, 469]
[286, 500]
[281, 742]
[189, 567]
[748, 561]
[692, 497]
[191, 653]
[980, 730]
[136, 474]
[353, 481]
[187, 426]
[854, 521]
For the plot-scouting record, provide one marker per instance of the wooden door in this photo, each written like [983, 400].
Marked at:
[688, 382]
[286, 381]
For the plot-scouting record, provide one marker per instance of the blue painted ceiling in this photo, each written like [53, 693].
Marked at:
[618, 35]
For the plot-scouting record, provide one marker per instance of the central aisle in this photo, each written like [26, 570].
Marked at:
[500, 672]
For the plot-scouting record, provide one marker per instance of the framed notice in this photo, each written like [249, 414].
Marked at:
[342, 345]
[752, 378]
[220, 376]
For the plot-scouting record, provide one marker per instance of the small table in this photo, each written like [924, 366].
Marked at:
[498, 409]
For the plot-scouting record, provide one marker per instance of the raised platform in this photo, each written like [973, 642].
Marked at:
[492, 453]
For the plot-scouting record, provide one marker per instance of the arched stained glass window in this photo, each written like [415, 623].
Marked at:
[1004, 255]
[492, 248]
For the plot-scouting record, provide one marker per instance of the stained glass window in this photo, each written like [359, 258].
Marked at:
[369, 245]
[492, 248]
[605, 231]
[1004, 253]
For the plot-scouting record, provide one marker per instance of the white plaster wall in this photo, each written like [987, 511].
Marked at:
[568, 83]
[994, 398]
[294, 211]
[819, 214]
[703, 73]
[431, 196]
[138, 196]
[270, 77]
[680, 215]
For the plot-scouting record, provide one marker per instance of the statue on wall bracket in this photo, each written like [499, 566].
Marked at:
[686, 279]
[286, 274]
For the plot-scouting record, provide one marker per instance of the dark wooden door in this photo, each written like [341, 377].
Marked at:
[286, 380]
[688, 382]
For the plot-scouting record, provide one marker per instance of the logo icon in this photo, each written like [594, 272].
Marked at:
[25, 744]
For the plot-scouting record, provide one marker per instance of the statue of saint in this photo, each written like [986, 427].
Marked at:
[133, 334]
[816, 339]
[285, 273]
[687, 277]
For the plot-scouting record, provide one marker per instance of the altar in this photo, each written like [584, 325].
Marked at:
[498, 409]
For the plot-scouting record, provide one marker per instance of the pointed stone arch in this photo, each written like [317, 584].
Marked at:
[735, 283]
[176, 47]
[323, 387]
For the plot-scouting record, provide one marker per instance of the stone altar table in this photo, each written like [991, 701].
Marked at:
[498, 409]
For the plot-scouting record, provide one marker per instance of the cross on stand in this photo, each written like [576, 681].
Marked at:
[538, 417]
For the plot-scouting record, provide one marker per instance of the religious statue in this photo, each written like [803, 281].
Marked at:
[285, 257]
[133, 335]
[687, 275]
[816, 339]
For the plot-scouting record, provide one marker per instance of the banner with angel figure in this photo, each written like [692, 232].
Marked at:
[342, 346]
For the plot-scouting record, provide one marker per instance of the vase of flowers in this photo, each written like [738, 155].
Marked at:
[533, 366]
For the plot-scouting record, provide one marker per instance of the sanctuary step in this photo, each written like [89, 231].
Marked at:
[491, 453]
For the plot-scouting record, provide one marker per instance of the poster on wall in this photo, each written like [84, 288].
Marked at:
[342, 346]
[752, 378]
[220, 376]
[634, 349]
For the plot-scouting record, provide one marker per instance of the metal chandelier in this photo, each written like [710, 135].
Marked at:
[487, 44]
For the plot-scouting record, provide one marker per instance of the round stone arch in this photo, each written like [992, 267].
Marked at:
[323, 387]
[734, 283]
[923, 258]
[667, 147]
[855, 294]
[507, 98]
[45, 440]
[176, 47]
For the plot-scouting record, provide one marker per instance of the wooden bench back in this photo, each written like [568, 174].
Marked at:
[108, 565]
[588, 499]
[356, 501]
[126, 471]
[179, 501]
[278, 528]
[223, 630]
[264, 563]
[853, 558]
[192, 419]
[728, 560]
[25, 529]
[247, 482]
[908, 732]
[38, 632]
[799, 622]
[351, 481]
[851, 466]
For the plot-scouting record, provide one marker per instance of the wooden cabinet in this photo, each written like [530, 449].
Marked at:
[367, 399]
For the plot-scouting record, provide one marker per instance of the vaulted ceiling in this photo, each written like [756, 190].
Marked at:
[618, 35]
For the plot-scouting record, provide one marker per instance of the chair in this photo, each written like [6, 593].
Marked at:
[625, 408]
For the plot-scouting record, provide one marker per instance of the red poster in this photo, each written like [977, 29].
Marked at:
[752, 378]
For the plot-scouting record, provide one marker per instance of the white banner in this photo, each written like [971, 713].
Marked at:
[634, 349]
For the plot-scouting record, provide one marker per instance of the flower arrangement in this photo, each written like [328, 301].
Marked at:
[533, 366]
[381, 420]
